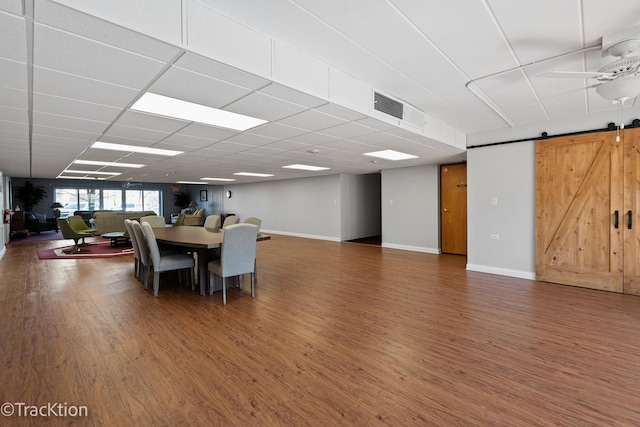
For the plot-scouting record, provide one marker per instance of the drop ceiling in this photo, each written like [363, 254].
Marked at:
[70, 70]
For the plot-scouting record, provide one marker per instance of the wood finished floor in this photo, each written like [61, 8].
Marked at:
[338, 334]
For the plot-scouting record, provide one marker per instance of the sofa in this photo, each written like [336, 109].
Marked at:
[110, 221]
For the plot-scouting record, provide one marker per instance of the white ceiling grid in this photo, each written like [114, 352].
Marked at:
[88, 71]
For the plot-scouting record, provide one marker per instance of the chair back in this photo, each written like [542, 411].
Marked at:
[77, 223]
[143, 247]
[179, 221]
[155, 221]
[254, 221]
[238, 253]
[67, 231]
[154, 250]
[230, 220]
[132, 237]
[212, 221]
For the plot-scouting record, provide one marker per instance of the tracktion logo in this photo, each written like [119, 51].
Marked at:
[55, 409]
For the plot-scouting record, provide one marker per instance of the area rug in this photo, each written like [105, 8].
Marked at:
[92, 250]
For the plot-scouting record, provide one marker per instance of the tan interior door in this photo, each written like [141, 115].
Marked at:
[453, 203]
[579, 211]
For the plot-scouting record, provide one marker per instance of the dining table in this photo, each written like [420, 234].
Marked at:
[204, 241]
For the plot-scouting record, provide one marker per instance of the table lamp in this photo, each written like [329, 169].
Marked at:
[56, 209]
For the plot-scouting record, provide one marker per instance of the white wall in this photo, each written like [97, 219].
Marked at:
[506, 173]
[360, 200]
[411, 208]
[306, 207]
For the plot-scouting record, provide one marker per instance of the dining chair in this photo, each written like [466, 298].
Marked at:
[163, 263]
[134, 245]
[230, 220]
[69, 233]
[144, 263]
[258, 222]
[254, 221]
[237, 257]
[77, 223]
[155, 221]
[212, 221]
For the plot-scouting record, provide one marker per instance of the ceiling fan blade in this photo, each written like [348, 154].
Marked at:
[562, 94]
[575, 74]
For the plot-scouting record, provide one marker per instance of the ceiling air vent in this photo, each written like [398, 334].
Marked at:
[387, 105]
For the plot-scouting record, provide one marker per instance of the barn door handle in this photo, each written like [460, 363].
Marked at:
[615, 219]
[629, 220]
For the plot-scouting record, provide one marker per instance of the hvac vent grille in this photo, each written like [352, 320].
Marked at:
[387, 105]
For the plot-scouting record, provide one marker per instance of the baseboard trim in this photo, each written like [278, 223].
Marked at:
[502, 271]
[306, 236]
[411, 248]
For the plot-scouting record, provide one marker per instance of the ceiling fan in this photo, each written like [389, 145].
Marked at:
[619, 80]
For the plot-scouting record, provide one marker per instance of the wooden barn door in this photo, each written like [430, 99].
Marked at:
[579, 192]
[631, 211]
[453, 203]
[587, 206]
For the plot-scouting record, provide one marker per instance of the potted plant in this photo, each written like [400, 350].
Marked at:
[30, 195]
[181, 199]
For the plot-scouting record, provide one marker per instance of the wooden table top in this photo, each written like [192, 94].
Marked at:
[194, 236]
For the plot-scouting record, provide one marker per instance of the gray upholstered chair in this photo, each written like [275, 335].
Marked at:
[254, 221]
[70, 233]
[77, 223]
[162, 263]
[230, 220]
[154, 220]
[134, 245]
[144, 262]
[212, 221]
[237, 257]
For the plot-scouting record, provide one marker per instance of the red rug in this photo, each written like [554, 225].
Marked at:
[92, 250]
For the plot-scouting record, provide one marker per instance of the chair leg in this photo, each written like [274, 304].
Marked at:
[224, 291]
[145, 273]
[193, 279]
[156, 283]
[253, 285]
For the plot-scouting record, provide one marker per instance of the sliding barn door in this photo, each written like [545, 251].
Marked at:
[579, 218]
[631, 211]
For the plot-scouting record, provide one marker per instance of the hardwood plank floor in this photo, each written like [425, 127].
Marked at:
[339, 333]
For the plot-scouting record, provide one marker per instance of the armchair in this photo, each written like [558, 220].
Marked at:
[196, 218]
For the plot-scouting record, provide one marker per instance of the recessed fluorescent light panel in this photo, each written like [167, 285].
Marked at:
[217, 179]
[91, 172]
[176, 108]
[189, 182]
[81, 177]
[391, 155]
[114, 164]
[260, 175]
[135, 149]
[306, 167]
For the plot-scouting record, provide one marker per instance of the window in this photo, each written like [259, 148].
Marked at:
[112, 200]
[74, 199]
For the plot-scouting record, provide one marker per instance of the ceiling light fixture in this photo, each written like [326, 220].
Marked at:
[391, 155]
[114, 164]
[179, 109]
[135, 149]
[189, 182]
[260, 175]
[93, 178]
[91, 172]
[218, 179]
[306, 167]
